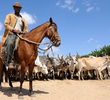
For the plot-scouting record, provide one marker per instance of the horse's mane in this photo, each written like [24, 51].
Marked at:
[41, 25]
[38, 26]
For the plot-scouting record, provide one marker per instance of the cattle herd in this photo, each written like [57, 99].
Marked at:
[70, 67]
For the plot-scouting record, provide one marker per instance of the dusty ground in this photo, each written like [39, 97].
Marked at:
[60, 90]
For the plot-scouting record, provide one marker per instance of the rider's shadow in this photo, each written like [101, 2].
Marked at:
[10, 91]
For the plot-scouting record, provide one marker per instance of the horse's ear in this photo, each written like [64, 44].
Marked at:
[51, 21]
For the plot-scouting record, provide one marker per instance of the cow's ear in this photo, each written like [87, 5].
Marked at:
[51, 21]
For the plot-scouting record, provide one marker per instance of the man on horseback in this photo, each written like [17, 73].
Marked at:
[14, 24]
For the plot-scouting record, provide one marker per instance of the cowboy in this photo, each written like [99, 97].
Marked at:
[14, 24]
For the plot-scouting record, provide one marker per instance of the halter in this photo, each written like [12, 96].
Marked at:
[53, 36]
[54, 42]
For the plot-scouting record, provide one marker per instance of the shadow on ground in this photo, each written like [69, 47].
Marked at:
[10, 91]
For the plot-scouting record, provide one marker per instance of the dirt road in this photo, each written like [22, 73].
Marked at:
[60, 90]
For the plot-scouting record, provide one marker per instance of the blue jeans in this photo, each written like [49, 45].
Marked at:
[10, 44]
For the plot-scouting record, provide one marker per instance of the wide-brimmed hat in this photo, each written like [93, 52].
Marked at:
[17, 4]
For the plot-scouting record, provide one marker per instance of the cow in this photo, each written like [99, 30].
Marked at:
[71, 67]
[63, 67]
[40, 67]
[53, 66]
[67, 64]
[98, 64]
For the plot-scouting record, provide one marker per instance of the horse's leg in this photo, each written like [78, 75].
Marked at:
[22, 73]
[0, 83]
[9, 74]
[30, 80]
[1, 74]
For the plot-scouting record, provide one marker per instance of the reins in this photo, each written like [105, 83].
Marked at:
[48, 47]
[31, 41]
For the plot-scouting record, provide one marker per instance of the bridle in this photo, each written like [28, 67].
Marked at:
[53, 35]
[53, 43]
[48, 47]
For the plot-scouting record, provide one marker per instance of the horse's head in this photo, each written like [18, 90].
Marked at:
[52, 33]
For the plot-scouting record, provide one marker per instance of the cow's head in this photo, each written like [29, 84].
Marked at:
[44, 69]
[62, 62]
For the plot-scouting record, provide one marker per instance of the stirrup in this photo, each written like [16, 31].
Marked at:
[11, 65]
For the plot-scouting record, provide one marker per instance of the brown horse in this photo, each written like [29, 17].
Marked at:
[27, 52]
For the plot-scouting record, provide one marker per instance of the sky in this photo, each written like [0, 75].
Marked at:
[83, 25]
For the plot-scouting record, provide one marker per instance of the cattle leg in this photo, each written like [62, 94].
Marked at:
[107, 73]
[82, 75]
[58, 73]
[71, 75]
[38, 76]
[97, 73]
[79, 72]
[100, 74]
[53, 75]
[46, 76]
[108, 69]
[65, 74]
[71, 72]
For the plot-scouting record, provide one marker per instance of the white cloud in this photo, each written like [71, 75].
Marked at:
[89, 9]
[98, 46]
[58, 3]
[63, 6]
[76, 10]
[97, 8]
[54, 50]
[1, 26]
[29, 18]
[96, 41]
[68, 2]
[0, 37]
[87, 2]
[89, 40]
[70, 7]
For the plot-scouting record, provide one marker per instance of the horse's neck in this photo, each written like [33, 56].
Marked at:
[37, 34]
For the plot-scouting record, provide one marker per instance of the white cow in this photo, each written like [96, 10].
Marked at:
[40, 67]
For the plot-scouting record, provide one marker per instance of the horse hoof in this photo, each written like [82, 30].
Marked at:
[20, 97]
[33, 95]
[11, 88]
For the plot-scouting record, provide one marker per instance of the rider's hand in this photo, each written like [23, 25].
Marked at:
[24, 32]
[16, 31]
